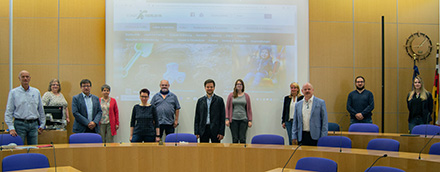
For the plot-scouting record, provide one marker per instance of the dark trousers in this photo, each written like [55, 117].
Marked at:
[238, 130]
[167, 128]
[142, 138]
[307, 139]
[204, 138]
[88, 130]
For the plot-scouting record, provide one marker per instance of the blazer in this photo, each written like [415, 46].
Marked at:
[79, 111]
[217, 116]
[113, 114]
[318, 120]
[286, 107]
[427, 108]
[229, 107]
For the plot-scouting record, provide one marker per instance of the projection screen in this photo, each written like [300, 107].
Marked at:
[265, 43]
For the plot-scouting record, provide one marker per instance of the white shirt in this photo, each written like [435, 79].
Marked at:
[307, 112]
[292, 108]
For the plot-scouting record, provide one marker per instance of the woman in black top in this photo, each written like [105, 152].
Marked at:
[289, 108]
[420, 104]
[144, 125]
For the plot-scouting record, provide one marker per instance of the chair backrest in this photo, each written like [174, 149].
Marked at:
[435, 149]
[5, 139]
[24, 161]
[268, 139]
[85, 138]
[333, 127]
[186, 137]
[317, 164]
[335, 141]
[384, 144]
[364, 127]
[383, 169]
[426, 129]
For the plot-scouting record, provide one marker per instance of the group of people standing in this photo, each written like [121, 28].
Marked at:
[304, 116]
[306, 126]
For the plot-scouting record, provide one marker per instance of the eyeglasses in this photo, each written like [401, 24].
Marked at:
[55, 84]
[86, 86]
[144, 97]
[360, 81]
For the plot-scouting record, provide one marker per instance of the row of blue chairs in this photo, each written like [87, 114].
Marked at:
[327, 141]
[425, 129]
[27, 161]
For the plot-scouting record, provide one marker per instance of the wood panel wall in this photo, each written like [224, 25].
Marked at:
[345, 41]
[61, 39]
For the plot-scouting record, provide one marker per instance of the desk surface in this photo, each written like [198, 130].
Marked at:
[287, 170]
[52, 169]
[220, 157]
[407, 143]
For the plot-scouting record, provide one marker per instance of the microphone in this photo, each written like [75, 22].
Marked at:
[291, 157]
[177, 132]
[1, 139]
[339, 122]
[426, 127]
[383, 156]
[54, 156]
[427, 144]
[340, 130]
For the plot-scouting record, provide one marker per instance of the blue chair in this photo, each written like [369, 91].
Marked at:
[384, 144]
[335, 141]
[24, 161]
[333, 127]
[435, 149]
[426, 129]
[364, 127]
[317, 164]
[85, 138]
[5, 139]
[383, 169]
[186, 137]
[268, 139]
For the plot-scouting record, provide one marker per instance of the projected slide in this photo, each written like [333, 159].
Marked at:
[187, 43]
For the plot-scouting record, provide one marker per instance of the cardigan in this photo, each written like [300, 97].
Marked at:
[229, 107]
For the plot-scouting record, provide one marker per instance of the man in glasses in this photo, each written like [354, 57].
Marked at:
[86, 109]
[360, 103]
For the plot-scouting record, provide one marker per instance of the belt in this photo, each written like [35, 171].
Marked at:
[26, 120]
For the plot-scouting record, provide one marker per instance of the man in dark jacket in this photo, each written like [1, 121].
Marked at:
[209, 121]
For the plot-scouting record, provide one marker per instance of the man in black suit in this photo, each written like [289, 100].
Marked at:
[86, 109]
[209, 122]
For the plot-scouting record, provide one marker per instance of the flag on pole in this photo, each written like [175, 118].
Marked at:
[435, 93]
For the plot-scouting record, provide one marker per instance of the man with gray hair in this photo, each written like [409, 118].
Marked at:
[24, 109]
[167, 108]
[310, 120]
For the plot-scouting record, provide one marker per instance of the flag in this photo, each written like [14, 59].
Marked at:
[435, 92]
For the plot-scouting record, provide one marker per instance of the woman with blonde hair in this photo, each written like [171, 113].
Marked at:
[238, 112]
[289, 108]
[420, 104]
[54, 97]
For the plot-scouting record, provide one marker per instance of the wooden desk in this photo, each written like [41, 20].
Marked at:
[220, 157]
[55, 136]
[52, 169]
[407, 144]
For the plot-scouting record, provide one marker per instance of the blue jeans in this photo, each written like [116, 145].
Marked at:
[289, 130]
[368, 120]
[27, 130]
[142, 138]
[415, 121]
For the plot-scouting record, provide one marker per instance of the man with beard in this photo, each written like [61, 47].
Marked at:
[360, 103]
[209, 120]
[167, 108]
